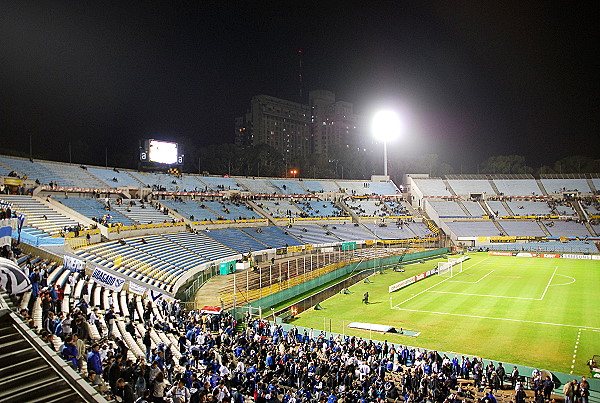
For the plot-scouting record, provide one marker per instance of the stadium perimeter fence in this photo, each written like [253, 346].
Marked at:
[357, 271]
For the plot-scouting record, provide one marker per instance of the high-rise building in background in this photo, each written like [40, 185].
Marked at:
[295, 129]
[284, 125]
[333, 123]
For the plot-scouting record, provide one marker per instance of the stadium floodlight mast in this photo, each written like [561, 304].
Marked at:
[386, 127]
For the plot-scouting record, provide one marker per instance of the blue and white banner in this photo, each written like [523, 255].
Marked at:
[6, 228]
[155, 295]
[73, 264]
[12, 279]
[108, 280]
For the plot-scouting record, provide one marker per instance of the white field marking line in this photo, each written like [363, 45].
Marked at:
[443, 281]
[575, 351]
[484, 277]
[470, 282]
[552, 285]
[595, 329]
[548, 285]
[484, 295]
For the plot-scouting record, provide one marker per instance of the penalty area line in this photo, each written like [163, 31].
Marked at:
[443, 281]
[483, 295]
[494, 318]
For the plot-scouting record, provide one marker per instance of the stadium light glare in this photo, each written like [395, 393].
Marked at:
[386, 127]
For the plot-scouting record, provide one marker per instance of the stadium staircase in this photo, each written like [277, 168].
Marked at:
[262, 212]
[411, 210]
[583, 216]
[344, 207]
[176, 214]
[493, 185]
[447, 184]
[543, 227]
[462, 206]
[430, 224]
[68, 211]
[591, 185]
[485, 208]
[541, 186]
[507, 208]
[30, 371]
[98, 179]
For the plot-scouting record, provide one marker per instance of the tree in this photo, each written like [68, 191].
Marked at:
[505, 164]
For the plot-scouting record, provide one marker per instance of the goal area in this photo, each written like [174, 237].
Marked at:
[450, 268]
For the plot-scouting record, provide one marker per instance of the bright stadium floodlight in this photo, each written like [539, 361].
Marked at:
[386, 127]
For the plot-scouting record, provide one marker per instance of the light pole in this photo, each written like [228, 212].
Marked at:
[386, 127]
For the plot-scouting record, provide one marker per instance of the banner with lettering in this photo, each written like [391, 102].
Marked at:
[108, 280]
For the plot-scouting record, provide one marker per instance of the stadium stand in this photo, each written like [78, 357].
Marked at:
[258, 186]
[311, 234]
[474, 208]
[201, 244]
[397, 208]
[141, 213]
[448, 209]
[567, 229]
[288, 187]
[219, 183]
[522, 228]
[34, 170]
[527, 207]
[349, 232]
[236, 240]
[231, 210]
[5, 171]
[390, 231]
[557, 186]
[564, 209]
[321, 186]
[94, 209]
[383, 188]
[273, 237]
[40, 215]
[517, 187]
[355, 188]
[167, 251]
[466, 187]
[160, 181]
[114, 178]
[317, 208]
[77, 175]
[473, 229]
[361, 188]
[191, 209]
[279, 208]
[432, 187]
[419, 229]
[367, 208]
[497, 208]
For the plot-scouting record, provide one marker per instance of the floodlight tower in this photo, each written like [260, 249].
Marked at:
[386, 127]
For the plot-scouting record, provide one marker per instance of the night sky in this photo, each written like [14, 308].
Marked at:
[471, 80]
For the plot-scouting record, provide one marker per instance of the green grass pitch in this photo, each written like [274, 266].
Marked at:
[537, 312]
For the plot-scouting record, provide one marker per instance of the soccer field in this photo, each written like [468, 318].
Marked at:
[539, 312]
